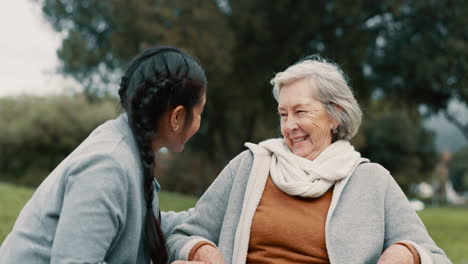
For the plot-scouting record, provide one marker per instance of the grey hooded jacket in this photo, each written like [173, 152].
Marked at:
[90, 209]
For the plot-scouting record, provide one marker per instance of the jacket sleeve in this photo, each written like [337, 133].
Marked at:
[206, 220]
[170, 220]
[402, 224]
[93, 210]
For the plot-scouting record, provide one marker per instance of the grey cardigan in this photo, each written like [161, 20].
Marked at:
[90, 209]
[368, 213]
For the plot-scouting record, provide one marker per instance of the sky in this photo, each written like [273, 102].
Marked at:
[28, 51]
[29, 64]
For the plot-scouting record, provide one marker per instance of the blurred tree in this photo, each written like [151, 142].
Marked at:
[101, 37]
[241, 44]
[396, 139]
[421, 54]
[458, 170]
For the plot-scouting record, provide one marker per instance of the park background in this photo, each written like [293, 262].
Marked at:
[406, 61]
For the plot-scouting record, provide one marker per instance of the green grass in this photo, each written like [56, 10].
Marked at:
[447, 226]
[449, 229]
[12, 200]
[175, 201]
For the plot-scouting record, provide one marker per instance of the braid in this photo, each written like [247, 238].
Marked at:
[147, 90]
[143, 129]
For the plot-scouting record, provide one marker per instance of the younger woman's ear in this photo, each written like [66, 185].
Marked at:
[177, 118]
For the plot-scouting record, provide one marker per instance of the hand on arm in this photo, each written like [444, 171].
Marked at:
[208, 254]
[396, 254]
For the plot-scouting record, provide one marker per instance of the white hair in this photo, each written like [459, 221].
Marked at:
[328, 85]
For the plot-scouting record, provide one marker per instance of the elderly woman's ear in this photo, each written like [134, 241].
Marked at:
[334, 122]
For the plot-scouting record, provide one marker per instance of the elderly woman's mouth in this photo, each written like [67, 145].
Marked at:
[299, 139]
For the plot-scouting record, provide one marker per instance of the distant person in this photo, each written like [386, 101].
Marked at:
[308, 197]
[100, 205]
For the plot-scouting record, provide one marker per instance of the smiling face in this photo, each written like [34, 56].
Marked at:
[305, 124]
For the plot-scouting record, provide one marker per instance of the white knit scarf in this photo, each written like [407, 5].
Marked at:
[295, 175]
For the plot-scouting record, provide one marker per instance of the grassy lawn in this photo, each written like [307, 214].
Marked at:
[447, 226]
[449, 229]
[12, 199]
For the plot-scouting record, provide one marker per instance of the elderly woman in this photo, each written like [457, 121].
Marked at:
[307, 197]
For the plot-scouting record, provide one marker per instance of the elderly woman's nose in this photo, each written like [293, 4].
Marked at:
[291, 124]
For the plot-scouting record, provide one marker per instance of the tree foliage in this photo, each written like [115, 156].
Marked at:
[243, 43]
[38, 133]
[240, 43]
[421, 54]
[396, 139]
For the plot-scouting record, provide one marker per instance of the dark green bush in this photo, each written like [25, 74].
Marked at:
[37, 133]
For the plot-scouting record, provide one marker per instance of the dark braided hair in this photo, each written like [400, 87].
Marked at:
[158, 80]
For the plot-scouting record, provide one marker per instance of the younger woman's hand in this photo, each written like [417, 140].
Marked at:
[209, 254]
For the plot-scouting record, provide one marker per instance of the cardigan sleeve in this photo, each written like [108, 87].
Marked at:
[206, 220]
[170, 220]
[93, 210]
[402, 224]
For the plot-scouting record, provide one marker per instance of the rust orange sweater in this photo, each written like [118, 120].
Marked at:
[289, 229]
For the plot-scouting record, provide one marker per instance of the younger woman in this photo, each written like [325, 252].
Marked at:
[99, 205]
